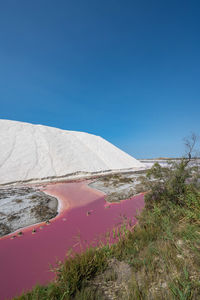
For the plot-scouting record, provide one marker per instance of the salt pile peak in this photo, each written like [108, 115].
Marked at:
[36, 152]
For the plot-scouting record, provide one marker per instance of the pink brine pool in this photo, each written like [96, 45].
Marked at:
[84, 219]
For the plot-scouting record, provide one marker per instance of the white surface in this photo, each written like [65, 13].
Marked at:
[33, 152]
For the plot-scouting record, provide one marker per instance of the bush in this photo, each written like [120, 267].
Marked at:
[169, 184]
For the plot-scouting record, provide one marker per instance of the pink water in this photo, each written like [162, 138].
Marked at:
[25, 260]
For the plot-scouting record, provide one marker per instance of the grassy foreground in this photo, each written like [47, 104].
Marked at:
[159, 259]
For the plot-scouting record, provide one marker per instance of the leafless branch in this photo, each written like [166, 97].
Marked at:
[190, 144]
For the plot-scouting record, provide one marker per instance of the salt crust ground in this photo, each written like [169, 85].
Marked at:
[23, 206]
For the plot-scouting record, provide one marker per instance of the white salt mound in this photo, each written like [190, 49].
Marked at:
[35, 152]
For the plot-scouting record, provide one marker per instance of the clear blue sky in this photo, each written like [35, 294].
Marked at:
[128, 71]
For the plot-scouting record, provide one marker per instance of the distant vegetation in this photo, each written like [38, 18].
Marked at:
[158, 259]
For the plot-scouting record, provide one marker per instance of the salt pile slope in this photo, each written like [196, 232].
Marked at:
[34, 152]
